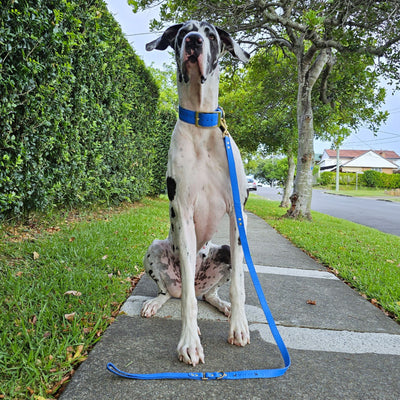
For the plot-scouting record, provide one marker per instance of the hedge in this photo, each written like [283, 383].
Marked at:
[368, 178]
[78, 109]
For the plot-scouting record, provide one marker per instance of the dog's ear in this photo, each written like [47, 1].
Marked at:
[231, 46]
[165, 40]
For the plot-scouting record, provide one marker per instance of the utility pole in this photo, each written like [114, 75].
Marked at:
[337, 167]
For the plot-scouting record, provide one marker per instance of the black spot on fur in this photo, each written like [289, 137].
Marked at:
[246, 198]
[172, 212]
[223, 255]
[172, 227]
[239, 242]
[171, 188]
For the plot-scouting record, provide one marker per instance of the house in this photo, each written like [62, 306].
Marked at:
[360, 160]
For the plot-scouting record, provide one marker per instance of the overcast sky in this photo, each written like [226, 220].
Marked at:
[136, 29]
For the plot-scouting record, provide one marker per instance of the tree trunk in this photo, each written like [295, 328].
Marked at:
[308, 73]
[289, 182]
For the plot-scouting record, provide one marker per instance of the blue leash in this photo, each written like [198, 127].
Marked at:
[248, 374]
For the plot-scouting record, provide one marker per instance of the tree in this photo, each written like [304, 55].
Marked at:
[315, 32]
[260, 103]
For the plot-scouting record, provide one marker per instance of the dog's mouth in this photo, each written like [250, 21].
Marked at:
[192, 67]
[193, 59]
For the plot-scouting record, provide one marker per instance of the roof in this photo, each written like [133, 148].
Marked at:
[370, 159]
[357, 153]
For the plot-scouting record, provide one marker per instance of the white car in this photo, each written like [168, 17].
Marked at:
[251, 184]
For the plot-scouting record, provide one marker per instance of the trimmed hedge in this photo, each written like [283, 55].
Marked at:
[78, 109]
[368, 178]
[381, 180]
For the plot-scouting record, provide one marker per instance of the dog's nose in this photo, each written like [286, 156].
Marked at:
[194, 40]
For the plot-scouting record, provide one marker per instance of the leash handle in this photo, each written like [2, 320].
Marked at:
[234, 375]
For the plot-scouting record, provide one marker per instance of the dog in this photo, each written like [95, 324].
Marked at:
[187, 265]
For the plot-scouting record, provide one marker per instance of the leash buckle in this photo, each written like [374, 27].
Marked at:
[213, 375]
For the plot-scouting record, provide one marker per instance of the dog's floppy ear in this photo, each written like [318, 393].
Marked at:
[231, 46]
[165, 40]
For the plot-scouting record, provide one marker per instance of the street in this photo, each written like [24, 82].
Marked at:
[378, 214]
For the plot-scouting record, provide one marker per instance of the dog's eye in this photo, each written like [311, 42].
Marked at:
[211, 36]
[181, 34]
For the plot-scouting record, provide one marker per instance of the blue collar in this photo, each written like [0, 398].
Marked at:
[200, 119]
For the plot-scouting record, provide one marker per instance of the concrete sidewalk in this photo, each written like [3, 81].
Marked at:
[341, 348]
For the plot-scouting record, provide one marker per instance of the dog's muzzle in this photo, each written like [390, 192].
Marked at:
[193, 46]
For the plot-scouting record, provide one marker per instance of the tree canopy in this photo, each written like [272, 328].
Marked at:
[319, 34]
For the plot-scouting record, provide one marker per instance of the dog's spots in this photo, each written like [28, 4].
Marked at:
[172, 212]
[171, 188]
[172, 227]
[246, 198]
[239, 242]
[223, 255]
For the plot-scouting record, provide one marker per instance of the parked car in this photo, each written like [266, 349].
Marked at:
[251, 184]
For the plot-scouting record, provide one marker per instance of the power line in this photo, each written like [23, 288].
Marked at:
[143, 33]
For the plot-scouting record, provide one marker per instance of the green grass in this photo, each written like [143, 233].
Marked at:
[364, 192]
[366, 258]
[39, 346]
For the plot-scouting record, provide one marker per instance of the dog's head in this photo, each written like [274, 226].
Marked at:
[197, 46]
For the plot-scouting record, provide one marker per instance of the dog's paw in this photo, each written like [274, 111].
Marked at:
[150, 307]
[239, 334]
[190, 350]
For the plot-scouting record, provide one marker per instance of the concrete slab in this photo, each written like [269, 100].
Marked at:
[341, 348]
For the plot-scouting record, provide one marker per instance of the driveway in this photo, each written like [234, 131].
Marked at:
[378, 214]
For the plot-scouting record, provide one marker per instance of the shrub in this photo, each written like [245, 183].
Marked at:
[77, 108]
[381, 180]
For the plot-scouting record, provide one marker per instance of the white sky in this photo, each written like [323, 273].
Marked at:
[136, 29]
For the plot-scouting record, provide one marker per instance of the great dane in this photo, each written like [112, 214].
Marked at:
[187, 265]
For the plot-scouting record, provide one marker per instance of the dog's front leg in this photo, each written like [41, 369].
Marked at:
[239, 329]
[189, 349]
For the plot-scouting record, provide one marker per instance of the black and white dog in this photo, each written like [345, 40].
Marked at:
[186, 264]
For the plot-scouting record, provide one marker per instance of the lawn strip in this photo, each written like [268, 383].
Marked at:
[61, 289]
[369, 260]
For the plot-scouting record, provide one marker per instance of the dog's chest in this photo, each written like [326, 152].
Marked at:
[198, 164]
[197, 157]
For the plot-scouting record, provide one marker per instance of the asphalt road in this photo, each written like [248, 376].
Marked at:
[378, 214]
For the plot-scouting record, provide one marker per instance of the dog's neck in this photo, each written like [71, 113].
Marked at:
[197, 96]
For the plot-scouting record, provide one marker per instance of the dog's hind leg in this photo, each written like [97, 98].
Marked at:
[215, 271]
[156, 263]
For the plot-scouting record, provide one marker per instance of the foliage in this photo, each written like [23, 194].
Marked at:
[260, 102]
[270, 170]
[165, 124]
[381, 180]
[63, 286]
[366, 258]
[345, 178]
[368, 178]
[166, 82]
[77, 107]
